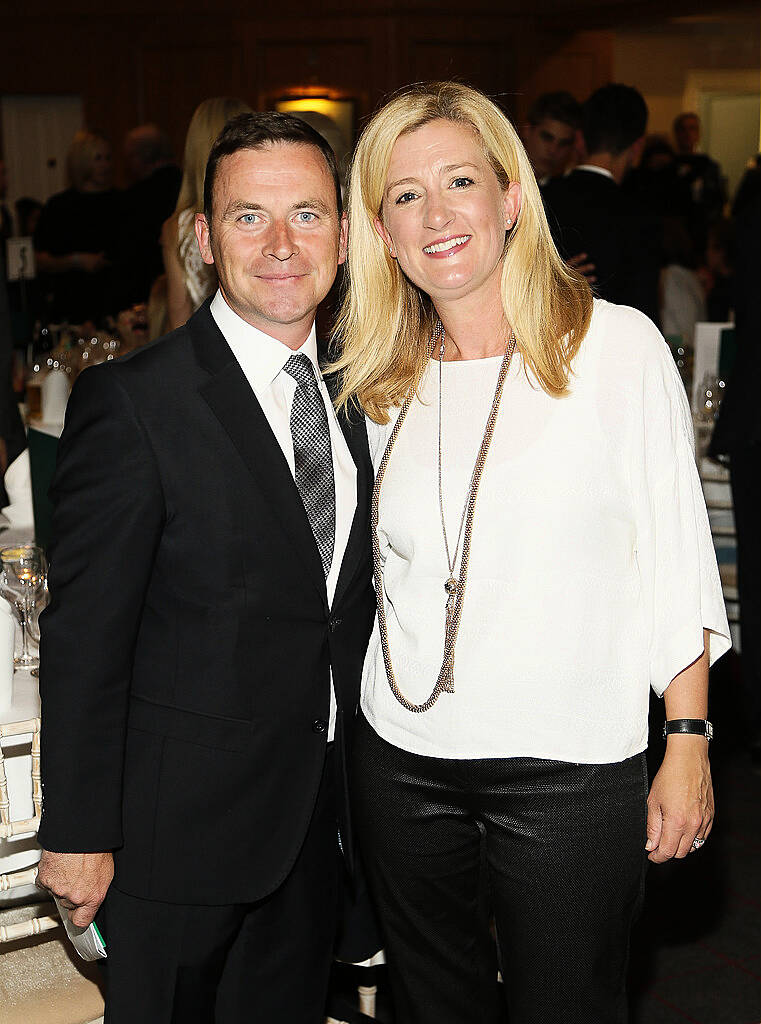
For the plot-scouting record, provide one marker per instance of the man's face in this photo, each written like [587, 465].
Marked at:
[687, 134]
[101, 171]
[275, 237]
[549, 146]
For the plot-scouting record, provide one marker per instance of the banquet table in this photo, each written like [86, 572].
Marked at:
[19, 851]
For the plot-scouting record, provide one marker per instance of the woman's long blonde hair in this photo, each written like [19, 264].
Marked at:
[385, 322]
[208, 120]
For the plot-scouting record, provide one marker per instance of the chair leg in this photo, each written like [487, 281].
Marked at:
[367, 994]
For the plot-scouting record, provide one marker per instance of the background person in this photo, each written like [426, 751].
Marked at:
[699, 175]
[589, 212]
[76, 236]
[148, 201]
[549, 137]
[189, 279]
[6, 220]
[522, 619]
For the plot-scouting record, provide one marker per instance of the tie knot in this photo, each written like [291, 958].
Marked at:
[300, 368]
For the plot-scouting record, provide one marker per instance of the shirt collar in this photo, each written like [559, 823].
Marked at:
[261, 357]
[596, 170]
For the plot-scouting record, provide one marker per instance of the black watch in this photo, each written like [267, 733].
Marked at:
[691, 726]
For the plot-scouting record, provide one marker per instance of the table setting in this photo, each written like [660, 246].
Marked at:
[23, 594]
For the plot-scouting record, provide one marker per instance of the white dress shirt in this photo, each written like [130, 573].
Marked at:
[262, 359]
[592, 570]
[595, 170]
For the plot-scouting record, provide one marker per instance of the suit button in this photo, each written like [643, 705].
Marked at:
[319, 725]
[333, 625]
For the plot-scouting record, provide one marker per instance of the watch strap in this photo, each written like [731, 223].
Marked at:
[689, 726]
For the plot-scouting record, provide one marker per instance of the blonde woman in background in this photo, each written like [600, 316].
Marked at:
[76, 234]
[189, 280]
[542, 558]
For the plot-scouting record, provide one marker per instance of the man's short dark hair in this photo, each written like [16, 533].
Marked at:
[258, 131]
[556, 106]
[613, 117]
[686, 115]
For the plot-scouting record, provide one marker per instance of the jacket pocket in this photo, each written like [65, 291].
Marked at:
[189, 726]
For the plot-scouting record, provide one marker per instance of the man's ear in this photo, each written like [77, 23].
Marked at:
[203, 236]
[637, 149]
[343, 237]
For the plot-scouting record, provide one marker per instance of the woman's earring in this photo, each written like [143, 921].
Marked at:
[508, 223]
[391, 252]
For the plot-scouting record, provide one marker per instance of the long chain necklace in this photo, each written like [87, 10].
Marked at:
[455, 584]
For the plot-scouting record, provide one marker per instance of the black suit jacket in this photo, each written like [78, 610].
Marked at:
[185, 653]
[147, 204]
[588, 212]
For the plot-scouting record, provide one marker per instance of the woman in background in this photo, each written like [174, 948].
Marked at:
[542, 558]
[188, 279]
[76, 234]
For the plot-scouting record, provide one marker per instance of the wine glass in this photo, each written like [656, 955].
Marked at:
[22, 581]
[33, 619]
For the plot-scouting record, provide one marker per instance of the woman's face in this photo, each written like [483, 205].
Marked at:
[444, 215]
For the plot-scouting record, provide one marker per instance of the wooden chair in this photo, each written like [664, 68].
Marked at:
[41, 978]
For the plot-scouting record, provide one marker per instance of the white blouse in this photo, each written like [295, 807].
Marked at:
[592, 571]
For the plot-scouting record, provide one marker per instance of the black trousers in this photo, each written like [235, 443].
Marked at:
[746, 498]
[553, 853]
[239, 964]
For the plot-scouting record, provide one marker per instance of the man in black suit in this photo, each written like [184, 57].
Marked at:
[554, 121]
[148, 202]
[590, 214]
[210, 608]
[700, 178]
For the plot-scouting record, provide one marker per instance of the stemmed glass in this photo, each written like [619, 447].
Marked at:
[22, 581]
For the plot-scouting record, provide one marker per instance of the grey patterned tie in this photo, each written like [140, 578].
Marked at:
[313, 456]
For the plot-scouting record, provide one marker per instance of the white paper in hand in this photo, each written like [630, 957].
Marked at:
[88, 941]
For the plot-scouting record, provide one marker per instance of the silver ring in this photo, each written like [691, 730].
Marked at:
[697, 843]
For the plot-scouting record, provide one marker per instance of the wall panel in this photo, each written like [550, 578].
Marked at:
[173, 79]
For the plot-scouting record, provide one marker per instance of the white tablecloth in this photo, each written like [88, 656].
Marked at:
[20, 851]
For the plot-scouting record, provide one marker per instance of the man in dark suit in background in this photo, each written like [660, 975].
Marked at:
[210, 608]
[700, 177]
[150, 199]
[588, 211]
[550, 135]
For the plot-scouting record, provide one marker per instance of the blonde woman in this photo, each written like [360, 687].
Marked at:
[542, 558]
[189, 279]
[75, 235]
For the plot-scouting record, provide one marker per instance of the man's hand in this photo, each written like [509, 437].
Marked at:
[90, 262]
[680, 804]
[79, 880]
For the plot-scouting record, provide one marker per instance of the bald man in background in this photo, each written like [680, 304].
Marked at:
[149, 201]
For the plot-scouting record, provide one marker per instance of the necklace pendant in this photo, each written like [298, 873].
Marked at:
[451, 586]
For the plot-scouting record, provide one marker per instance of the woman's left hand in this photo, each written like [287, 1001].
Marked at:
[680, 804]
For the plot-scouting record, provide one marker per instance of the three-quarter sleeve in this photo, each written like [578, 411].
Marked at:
[681, 587]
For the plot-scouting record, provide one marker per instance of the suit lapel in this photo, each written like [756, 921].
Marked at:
[232, 401]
